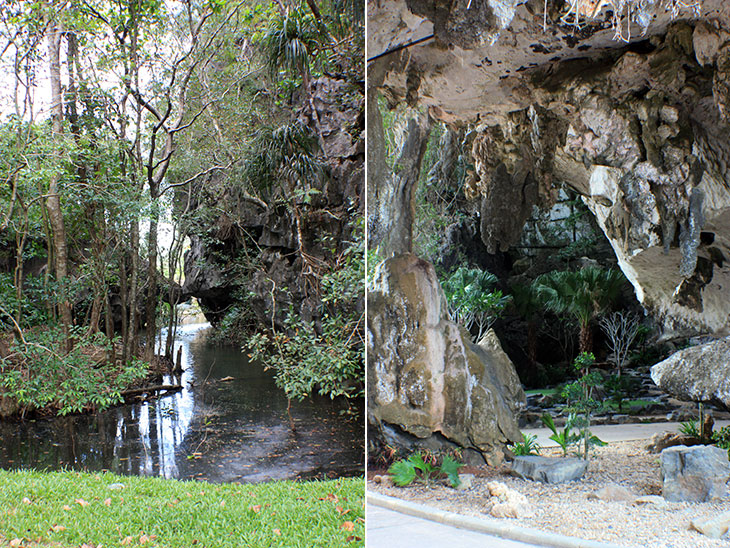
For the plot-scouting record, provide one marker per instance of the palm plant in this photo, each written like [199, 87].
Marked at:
[472, 299]
[583, 294]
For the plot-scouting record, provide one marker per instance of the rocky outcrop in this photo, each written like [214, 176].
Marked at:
[428, 385]
[694, 474]
[699, 373]
[249, 250]
[637, 126]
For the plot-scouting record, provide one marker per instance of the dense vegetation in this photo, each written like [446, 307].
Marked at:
[123, 116]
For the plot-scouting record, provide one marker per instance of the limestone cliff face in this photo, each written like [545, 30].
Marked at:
[639, 127]
[251, 248]
[428, 385]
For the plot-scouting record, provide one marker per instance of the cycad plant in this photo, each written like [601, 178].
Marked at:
[583, 294]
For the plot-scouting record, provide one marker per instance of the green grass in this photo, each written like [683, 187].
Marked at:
[69, 509]
[543, 391]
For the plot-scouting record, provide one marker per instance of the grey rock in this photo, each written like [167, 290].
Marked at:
[694, 474]
[425, 378]
[698, 373]
[549, 470]
[713, 527]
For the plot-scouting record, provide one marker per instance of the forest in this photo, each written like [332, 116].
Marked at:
[157, 154]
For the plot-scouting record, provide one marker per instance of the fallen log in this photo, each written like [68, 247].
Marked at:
[150, 389]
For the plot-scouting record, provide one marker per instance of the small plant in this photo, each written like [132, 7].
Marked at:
[528, 446]
[722, 438]
[579, 395]
[415, 468]
[618, 388]
[565, 438]
[690, 428]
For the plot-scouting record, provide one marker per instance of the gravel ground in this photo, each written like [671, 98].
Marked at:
[567, 509]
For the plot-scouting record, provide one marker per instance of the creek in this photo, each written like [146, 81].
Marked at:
[228, 424]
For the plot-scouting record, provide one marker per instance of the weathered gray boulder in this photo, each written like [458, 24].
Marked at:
[694, 474]
[428, 385]
[549, 470]
[698, 373]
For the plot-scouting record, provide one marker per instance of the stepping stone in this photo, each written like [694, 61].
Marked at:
[547, 469]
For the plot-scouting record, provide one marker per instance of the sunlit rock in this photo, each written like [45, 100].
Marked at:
[428, 385]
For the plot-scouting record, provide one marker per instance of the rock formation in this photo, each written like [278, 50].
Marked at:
[215, 269]
[428, 385]
[637, 125]
[699, 373]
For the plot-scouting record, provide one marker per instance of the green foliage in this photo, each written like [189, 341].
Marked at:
[722, 438]
[690, 428]
[528, 445]
[39, 378]
[293, 41]
[583, 294]
[416, 468]
[328, 359]
[284, 154]
[580, 400]
[618, 389]
[565, 438]
[472, 299]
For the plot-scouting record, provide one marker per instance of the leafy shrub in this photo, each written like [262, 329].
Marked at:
[528, 446]
[328, 358]
[38, 377]
[415, 468]
[473, 301]
[722, 438]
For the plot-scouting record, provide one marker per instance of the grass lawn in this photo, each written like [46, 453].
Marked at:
[69, 509]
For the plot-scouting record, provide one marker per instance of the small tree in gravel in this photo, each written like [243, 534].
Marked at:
[621, 329]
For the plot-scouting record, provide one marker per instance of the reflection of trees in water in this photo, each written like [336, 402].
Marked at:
[240, 427]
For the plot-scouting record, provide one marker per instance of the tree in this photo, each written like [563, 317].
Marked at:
[621, 328]
[582, 294]
[527, 302]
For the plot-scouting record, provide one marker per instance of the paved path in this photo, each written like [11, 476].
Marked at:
[618, 432]
[389, 529]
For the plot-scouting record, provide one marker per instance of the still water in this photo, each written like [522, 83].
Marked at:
[214, 429]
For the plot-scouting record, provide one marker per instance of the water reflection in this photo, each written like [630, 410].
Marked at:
[214, 429]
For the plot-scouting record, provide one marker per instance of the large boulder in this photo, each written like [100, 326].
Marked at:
[694, 474]
[427, 383]
[699, 373]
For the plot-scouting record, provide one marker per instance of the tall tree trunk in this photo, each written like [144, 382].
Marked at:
[151, 302]
[53, 201]
[585, 338]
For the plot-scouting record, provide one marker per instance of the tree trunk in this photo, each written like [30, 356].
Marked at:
[53, 201]
[151, 301]
[585, 340]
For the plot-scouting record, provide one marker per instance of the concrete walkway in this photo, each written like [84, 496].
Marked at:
[392, 523]
[390, 529]
[618, 432]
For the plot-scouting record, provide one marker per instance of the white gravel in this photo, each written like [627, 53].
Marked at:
[567, 509]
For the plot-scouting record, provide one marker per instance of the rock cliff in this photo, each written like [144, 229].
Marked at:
[249, 251]
[636, 124]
